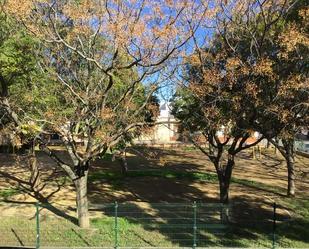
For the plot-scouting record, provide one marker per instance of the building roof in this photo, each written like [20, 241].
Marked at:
[165, 111]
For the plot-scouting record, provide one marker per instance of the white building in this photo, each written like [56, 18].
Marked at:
[166, 131]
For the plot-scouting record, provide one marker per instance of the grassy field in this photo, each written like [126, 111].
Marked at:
[145, 218]
[157, 225]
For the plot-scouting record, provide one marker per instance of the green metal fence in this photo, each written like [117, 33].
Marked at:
[140, 224]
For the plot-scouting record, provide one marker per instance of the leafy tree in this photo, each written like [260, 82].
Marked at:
[102, 54]
[17, 66]
[235, 86]
[213, 105]
[25, 93]
[288, 54]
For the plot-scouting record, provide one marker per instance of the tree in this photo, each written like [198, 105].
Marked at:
[17, 71]
[212, 105]
[289, 55]
[281, 82]
[101, 53]
[231, 84]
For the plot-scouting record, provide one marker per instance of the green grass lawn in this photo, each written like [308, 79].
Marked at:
[163, 226]
[116, 178]
[290, 233]
[146, 231]
[8, 192]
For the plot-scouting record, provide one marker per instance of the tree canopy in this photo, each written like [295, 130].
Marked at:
[105, 59]
[250, 77]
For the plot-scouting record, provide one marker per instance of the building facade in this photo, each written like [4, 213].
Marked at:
[165, 131]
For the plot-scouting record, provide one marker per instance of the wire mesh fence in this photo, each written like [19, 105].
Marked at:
[140, 224]
[18, 228]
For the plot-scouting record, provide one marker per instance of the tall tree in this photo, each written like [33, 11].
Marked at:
[232, 83]
[94, 47]
[288, 54]
[216, 108]
[18, 71]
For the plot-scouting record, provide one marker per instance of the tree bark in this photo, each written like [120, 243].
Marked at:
[79, 175]
[34, 169]
[224, 177]
[82, 201]
[35, 173]
[289, 155]
[124, 165]
[224, 191]
[291, 176]
[253, 153]
[4, 87]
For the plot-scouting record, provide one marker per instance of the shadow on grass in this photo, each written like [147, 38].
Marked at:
[81, 237]
[17, 237]
[26, 187]
[49, 207]
[176, 224]
[118, 180]
[250, 224]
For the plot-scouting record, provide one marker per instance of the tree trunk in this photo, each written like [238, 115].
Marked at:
[291, 176]
[34, 169]
[224, 191]
[120, 156]
[289, 155]
[260, 151]
[224, 176]
[253, 153]
[35, 173]
[124, 165]
[210, 149]
[82, 201]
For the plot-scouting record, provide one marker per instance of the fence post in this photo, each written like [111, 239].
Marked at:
[194, 224]
[274, 224]
[37, 216]
[116, 224]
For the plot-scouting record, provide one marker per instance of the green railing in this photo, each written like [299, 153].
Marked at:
[141, 224]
